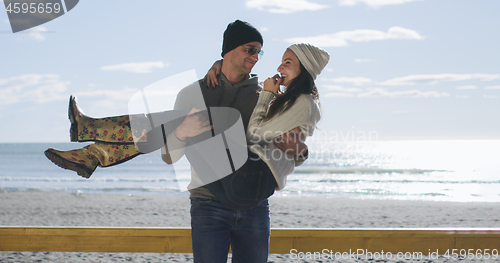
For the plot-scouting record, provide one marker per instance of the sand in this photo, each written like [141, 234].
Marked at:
[114, 210]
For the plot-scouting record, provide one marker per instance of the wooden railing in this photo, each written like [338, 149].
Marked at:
[283, 241]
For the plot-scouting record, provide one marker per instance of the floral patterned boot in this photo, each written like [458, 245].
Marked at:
[85, 160]
[110, 129]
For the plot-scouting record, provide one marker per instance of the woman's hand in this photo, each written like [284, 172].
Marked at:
[211, 78]
[273, 83]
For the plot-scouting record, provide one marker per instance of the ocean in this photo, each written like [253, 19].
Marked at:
[441, 170]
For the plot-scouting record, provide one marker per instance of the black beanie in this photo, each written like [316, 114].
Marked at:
[238, 33]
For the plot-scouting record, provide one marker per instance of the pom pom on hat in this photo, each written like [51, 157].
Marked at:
[313, 59]
[238, 33]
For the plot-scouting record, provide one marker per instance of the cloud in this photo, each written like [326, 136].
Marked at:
[436, 78]
[341, 38]
[38, 33]
[340, 88]
[490, 96]
[361, 60]
[338, 91]
[375, 3]
[431, 79]
[380, 92]
[40, 88]
[44, 88]
[141, 67]
[123, 94]
[492, 87]
[358, 81]
[283, 6]
[338, 95]
[467, 87]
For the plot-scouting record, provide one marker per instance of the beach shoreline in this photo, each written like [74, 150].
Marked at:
[119, 210]
[122, 210]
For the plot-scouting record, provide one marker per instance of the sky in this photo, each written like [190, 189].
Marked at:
[399, 69]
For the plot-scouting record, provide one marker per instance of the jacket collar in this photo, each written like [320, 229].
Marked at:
[250, 79]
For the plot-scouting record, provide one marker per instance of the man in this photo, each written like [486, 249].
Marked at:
[215, 226]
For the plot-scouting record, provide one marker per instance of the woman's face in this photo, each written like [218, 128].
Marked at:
[289, 68]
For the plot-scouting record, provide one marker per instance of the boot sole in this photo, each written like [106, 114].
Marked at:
[73, 130]
[80, 169]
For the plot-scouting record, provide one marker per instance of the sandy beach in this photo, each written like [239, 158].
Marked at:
[114, 210]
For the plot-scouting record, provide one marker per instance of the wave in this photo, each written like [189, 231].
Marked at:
[76, 179]
[174, 179]
[404, 181]
[364, 170]
[170, 190]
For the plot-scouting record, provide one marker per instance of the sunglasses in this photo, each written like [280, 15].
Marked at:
[251, 50]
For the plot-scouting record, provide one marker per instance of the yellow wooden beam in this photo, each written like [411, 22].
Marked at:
[95, 239]
[283, 241]
[378, 240]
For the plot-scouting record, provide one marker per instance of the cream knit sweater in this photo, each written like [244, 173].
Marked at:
[304, 113]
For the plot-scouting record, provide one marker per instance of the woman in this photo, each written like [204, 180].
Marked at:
[279, 115]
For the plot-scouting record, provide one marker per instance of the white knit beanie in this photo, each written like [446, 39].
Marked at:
[313, 59]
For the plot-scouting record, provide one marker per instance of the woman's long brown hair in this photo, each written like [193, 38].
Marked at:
[302, 84]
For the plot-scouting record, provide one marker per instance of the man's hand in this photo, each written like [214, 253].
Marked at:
[292, 142]
[194, 124]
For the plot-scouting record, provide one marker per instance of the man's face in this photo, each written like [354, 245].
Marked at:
[241, 60]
